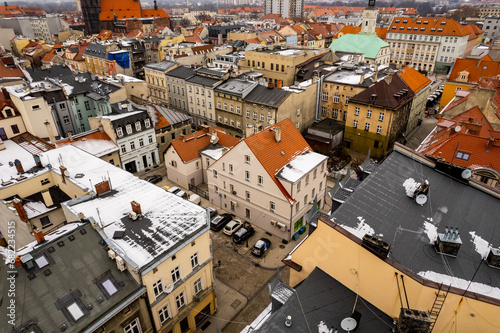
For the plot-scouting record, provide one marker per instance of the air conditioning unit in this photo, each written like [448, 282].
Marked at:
[274, 223]
[93, 222]
[281, 226]
[120, 263]
[132, 215]
[111, 254]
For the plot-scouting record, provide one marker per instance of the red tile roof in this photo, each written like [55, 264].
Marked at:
[193, 39]
[6, 101]
[476, 68]
[414, 79]
[349, 29]
[9, 70]
[273, 155]
[434, 26]
[188, 147]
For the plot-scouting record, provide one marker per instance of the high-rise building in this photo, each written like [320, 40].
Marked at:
[286, 8]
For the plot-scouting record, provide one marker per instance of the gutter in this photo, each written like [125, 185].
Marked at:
[115, 310]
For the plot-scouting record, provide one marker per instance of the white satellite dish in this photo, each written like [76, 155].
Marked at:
[466, 174]
[169, 288]
[421, 199]
[458, 129]
[348, 324]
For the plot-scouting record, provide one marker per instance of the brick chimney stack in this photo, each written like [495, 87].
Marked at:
[18, 205]
[40, 238]
[19, 166]
[136, 207]
[277, 133]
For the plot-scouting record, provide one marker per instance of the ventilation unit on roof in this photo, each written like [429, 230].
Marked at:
[111, 254]
[449, 243]
[414, 321]
[493, 259]
[376, 245]
[120, 263]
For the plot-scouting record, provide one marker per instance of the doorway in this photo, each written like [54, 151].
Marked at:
[131, 167]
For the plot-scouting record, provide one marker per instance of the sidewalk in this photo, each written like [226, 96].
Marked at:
[415, 138]
[229, 303]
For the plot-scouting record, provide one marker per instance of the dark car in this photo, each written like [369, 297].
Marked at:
[153, 179]
[220, 221]
[243, 233]
[212, 212]
[261, 247]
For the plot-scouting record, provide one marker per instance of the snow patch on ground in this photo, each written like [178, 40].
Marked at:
[322, 328]
[361, 230]
[431, 231]
[410, 186]
[482, 246]
[475, 287]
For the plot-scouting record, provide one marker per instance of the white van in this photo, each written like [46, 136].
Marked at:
[181, 194]
[195, 198]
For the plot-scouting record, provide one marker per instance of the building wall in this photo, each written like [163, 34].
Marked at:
[176, 92]
[166, 135]
[156, 85]
[418, 108]
[228, 113]
[331, 109]
[56, 218]
[450, 89]
[137, 310]
[188, 275]
[182, 173]
[421, 54]
[113, 158]
[375, 280]
[491, 28]
[136, 155]
[9, 221]
[201, 104]
[7, 124]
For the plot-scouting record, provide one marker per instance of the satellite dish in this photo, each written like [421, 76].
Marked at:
[458, 129]
[169, 288]
[271, 122]
[66, 173]
[466, 174]
[348, 324]
[421, 199]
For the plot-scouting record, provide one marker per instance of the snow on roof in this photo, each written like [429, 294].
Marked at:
[167, 219]
[119, 116]
[12, 152]
[300, 166]
[97, 148]
[361, 230]
[213, 153]
[36, 208]
[127, 78]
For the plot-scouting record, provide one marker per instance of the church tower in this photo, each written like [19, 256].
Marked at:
[369, 18]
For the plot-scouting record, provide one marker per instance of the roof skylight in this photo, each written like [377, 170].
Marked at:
[75, 311]
[41, 261]
[109, 286]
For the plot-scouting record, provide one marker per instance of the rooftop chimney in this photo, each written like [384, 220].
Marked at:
[38, 235]
[103, 187]
[280, 84]
[38, 161]
[449, 243]
[18, 204]
[64, 173]
[52, 138]
[70, 136]
[19, 166]
[277, 133]
[361, 78]
[136, 207]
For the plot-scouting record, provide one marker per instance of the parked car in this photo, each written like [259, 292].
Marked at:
[212, 213]
[173, 190]
[181, 194]
[220, 221]
[153, 179]
[195, 198]
[244, 233]
[232, 226]
[166, 188]
[261, 247]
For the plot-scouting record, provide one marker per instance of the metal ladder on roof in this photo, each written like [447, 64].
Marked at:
[441, 295]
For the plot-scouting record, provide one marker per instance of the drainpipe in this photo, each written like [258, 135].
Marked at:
[318, 98]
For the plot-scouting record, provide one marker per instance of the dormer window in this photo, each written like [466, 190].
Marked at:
[8, 112]
[138, 126]
[462, 155]
[129, 129]
[147, 123]
[119, 132]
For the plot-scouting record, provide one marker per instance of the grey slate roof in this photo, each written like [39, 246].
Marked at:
[96, 50]
[321, 298]
[161, 66]
[269, 97]
[203, 80]
[76, 266]
[237, 87]
[382, 202]
[182, 72]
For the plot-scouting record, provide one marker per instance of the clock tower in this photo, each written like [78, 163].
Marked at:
[369, 18]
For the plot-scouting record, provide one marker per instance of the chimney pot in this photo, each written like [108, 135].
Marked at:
[136, 207]
[19, 166]
[70, 136]
[18, 204]
[38, 161]
[38, 235]
[277, 134]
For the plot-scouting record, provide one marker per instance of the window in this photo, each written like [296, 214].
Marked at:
[225, 106]
[305, 200]
[254, 115]
[164, 314]
[261, 180]
[247, 159]
[123, 149]
[247, 175]
[35, 107]
[147, 123]
[215, 173]
[110, 287]
[15, 129]
[174, 164]
[75, 311]
[324, 96]
[356, 111]
[247, 213]
[198, 286]
[141, 142]
[307, 180]
[194, 260]
[248, 114]
[335, 113]
[150, 139]
[41, 261]
[355, 124]
[87, 105]
[66, 120]
[379, 129]
[367, 126]
[180, 300]
[462, 156]
[238, 110]
[336, 98]
[368, 113]
[298, 186]
[231, 107]
[314, 173]
[272, 206]
[132, 145]
[129, 129]
[247, 195]
[176, 274]
[231, 168]
[133, 327]
[323, 111]
[381, 116]
[62, 106]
